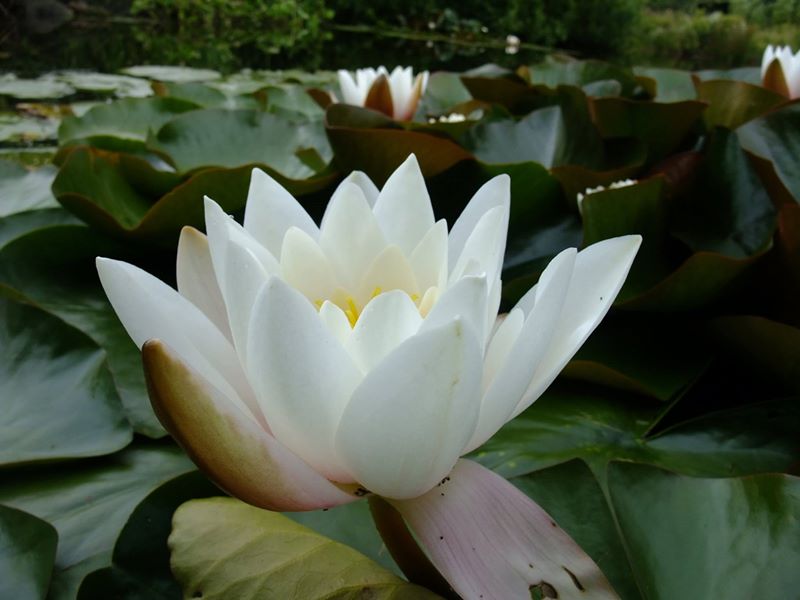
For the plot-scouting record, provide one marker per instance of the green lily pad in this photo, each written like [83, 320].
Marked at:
[233, 138]
[255, 550]
[671, 85]
[24, 189]
[776, 137]
[88, 504]
[746, 74]
[661, 126]
[27, 552]
[16, 128]
[566, 71]
[203, 95]
[52, 268]
[172, 74]
[121, 125]
[597, 426]
[708, 538]
[444, 91]
[733, 103]
[727, 211]
[45, 87]
[58, 399]
[106, 83]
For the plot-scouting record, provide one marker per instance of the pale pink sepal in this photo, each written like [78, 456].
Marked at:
[491, 542]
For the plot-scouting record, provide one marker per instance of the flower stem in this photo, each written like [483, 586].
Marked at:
[404, 549]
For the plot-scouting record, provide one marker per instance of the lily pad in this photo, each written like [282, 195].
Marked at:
[27, 552]
[45, 87]
[203, 95]
[172, 74]
[58, 398]
[233, 138]
[256, 550]
[671, 85]
[24, 189]
[565, 71]
[16, 128]
[733, 103]
[106, 83]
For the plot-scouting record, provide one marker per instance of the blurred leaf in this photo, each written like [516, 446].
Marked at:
[200, 94]
[45, 87]
[747, 74]
[234, 138]
[140, 564]
[121, 125]
[554, 72]
[53, 269]
[708, 538]
[661, 126]
[255, 550]
[733, 103]
[549, 136]
[672, 85]
[24, 189]
[599, 425]
[27, 552]
[88, 503]
[444, 91]
[106, 83]
[728, 210]
[58, 399]
[16, 128]
[293, 101]
[767, 346]
[776, 137]
[173, 74]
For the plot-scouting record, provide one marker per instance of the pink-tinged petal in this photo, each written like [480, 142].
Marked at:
[485, 246]
[239, 455]
[197, 281]
[407, 422]
[388, 320]
[495, 192]
[271, 210]
[403, 208]
[492, 542]
[302, 375]
[598, 275]
[149, 308]
[466, 300]
[429, 258]
[508, 387]
[351, 238]
[379, 96]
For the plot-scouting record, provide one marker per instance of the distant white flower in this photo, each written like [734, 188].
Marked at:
[451, 118]
[512, 44]
[601, 188]
[789, 66]
[395, 94]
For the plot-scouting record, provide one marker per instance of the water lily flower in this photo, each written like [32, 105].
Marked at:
[304, 366]
[601, 188]
[449, 118]
[395, 94]
[780, 70]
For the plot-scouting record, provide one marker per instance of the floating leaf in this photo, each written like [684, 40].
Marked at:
[106, 83]
[58, 400]
[24, 189]
[733, 103]
[172, 74]
[255, 550]
[27, 551]
[17, 128]
[45, 87]
[672, 85]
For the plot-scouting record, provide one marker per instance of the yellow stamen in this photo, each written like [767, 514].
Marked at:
[351, 312]
[376, 292]
[318, 304]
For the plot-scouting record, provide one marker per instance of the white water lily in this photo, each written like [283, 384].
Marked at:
[302, 366]
[395, 94]
[780, 70]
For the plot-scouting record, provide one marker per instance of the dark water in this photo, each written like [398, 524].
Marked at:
[107, 46]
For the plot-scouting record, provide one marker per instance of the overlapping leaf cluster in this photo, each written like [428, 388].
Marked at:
[668, 448]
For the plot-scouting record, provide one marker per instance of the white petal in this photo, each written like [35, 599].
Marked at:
[500, 345]
[600, 270]
[389, 271]
[336, 322]
[512, 380]
[485, 246]
[360, 179]
[149, 309]
[491, 541]
[351, 238]
[466, 300]
[403, 208]
[493, 193]
[301, 374]
[350, 92]
[406, 423]
[386, 322]
[197, 281]
[271, 211]
[429, 258]
[305, 267]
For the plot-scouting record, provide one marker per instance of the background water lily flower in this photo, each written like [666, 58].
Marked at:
[395, 94]
[302, 366]
[780, 70]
